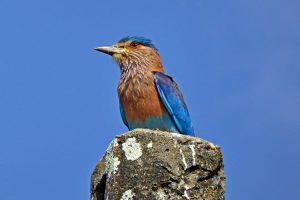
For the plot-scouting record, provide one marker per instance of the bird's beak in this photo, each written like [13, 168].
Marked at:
[110, 50]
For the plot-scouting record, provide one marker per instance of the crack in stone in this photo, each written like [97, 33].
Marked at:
[211, 174]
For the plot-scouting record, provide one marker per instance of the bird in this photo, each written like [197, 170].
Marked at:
[148, 97]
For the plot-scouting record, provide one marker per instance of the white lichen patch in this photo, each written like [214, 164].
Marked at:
[132, 149]
[114, 165]
[112, 162]
[192, 147]
[212, 146]
[185, 194]
[127, 195]
[150, 145]
[176, 134]
[183, 159]
[115, 143]
[161, 195]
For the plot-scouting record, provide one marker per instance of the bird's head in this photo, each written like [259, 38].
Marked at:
[134, 53]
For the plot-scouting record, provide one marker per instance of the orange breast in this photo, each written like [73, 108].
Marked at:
[141, 101]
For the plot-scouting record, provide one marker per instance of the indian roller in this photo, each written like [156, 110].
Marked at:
[148, 97]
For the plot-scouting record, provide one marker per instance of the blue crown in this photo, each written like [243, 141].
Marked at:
[141, 40]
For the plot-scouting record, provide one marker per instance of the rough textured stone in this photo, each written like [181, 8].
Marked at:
[147, 164]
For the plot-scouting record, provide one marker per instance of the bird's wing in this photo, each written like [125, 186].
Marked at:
[123, 115]
[172, 99]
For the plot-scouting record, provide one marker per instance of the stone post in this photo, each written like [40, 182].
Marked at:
[147, 164]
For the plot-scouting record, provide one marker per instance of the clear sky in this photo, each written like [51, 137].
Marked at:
[237, 64]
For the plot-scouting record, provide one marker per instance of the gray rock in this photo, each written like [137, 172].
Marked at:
[147, 164]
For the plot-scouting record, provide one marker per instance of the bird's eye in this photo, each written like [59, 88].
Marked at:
[134, 44]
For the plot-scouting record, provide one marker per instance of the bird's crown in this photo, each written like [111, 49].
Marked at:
[137, 39]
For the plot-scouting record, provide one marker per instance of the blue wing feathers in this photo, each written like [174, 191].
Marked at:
[173, 101]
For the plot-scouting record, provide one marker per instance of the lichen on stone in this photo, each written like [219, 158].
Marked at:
[127, 195]
[132, 149]
[112, 162]
[192, 147]
[150, 145]
[183, 159]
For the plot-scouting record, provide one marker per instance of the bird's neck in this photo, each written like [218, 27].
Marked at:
[137, 73]
[139, 70]
[149, 60]
[133, 79]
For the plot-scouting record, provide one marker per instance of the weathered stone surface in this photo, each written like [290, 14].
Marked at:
[147, 164]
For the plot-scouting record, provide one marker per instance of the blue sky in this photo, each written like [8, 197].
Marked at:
[237, 63]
